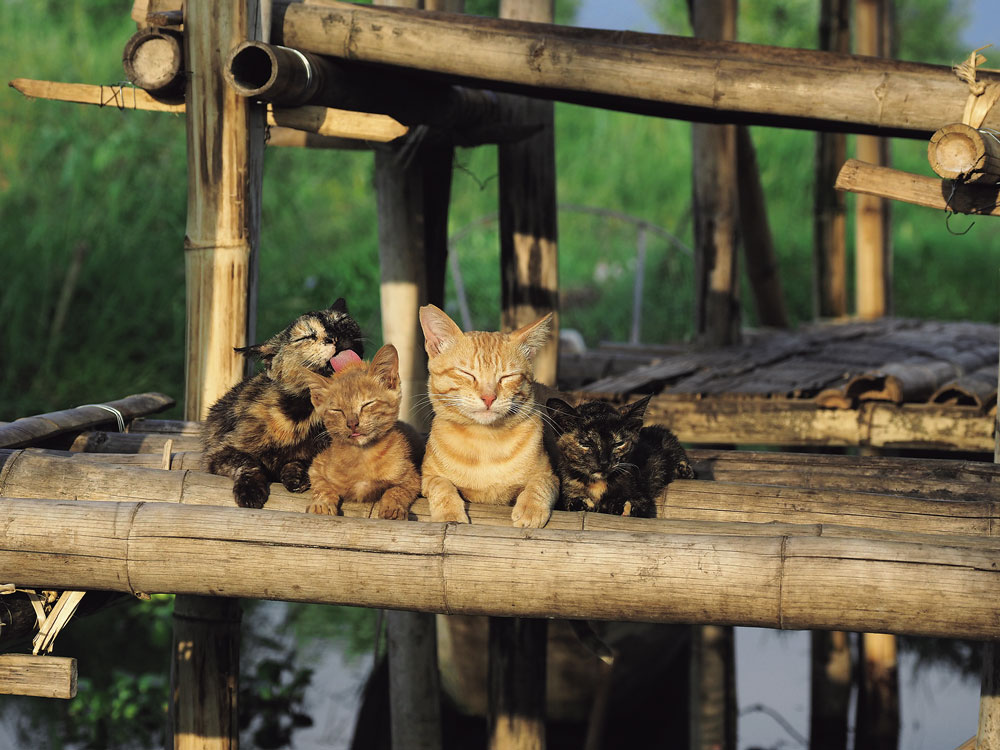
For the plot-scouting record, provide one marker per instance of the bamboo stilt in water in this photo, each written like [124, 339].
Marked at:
[830, 694]
[873, 243]
[225, 147]
[830, 214]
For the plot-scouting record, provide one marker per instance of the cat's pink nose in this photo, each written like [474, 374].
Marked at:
[352, 422]
[488, 399]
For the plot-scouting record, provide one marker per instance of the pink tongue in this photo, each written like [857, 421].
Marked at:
[342, 360]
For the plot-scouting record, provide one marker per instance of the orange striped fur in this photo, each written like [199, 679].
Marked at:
[485, 443]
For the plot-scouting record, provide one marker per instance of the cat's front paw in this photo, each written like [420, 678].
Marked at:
[445, 515]
[684, 470]
[530, 514]
[322, 509]
[250, 491]
[295, 477]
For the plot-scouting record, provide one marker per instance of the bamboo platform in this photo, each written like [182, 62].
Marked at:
[888, 383]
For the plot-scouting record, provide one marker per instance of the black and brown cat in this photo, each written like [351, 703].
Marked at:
[609, 463]
[264, 429]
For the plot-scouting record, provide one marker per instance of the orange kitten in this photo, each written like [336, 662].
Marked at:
[372, 455]
[485, 443]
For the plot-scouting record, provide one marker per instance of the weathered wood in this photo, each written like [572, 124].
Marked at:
[988, 735]
[713, 688]
[647, 73]
[153, 60]
[878, 694]
[960, 152]
[133, 442]
[41, 676]
[756, 237]
[29, 430]
[978, 388]
[767, 581]
[830, 205]
[858, 177]
[414, 683]
[516, 677]
[830, 693]
[321, 120]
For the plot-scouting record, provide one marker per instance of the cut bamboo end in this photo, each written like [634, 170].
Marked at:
[39, 676]
[960, 152]
[153, 60]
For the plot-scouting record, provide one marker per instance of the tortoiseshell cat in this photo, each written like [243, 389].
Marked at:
[265, 429]
[372, 455]
[486, 440]
[609, 463]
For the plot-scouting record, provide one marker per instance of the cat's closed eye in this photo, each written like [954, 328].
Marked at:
[464, 373]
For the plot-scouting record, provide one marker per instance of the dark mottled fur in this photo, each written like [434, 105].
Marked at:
[264, 429]
[609, 463]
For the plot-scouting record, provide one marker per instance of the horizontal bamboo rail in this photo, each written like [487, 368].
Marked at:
[860, 177]
[670, 76]
[30, 473]
[766, 581]
[321, 120]
[32, 429]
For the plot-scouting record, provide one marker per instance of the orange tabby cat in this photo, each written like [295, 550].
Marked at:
[372, 455]
[485, 443]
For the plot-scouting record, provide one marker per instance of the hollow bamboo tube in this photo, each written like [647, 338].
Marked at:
[960, 152]
[769, 581]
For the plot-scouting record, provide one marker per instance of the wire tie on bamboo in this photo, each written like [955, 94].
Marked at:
[982, 95]
[113, 410]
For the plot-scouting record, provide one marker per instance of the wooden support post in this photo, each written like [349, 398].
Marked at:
[41, 676]
[713, 688]
[755, 231]
[717, 301]
[873, 246]
[529, 263]
[830, 205]
[878, 694]
[516, 696]
[830, 696]
[414, 684]
[225, 146]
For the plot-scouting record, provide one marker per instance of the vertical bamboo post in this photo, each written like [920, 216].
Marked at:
[529, 266]
[713, 688]
[717, 302]
[873, 235]
[830, 205]
[413, 199]
[758, 242]
[516, 695]
[225, 145]
[878, 694]
[830, 694]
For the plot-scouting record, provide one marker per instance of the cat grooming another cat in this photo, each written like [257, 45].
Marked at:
[264, 429]
[486, 439]
[372, 456]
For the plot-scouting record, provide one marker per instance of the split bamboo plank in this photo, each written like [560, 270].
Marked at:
[133, 442]
[326, 121]
[30, 474]
[858, 177]
[41, 676]
[978, 388]
[646, 73]
[28, 430]
[172, 427]
[452, 569]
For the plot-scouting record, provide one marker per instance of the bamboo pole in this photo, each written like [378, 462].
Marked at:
[960, 152]
[830, 693]
[41, 676]
[647, 73]
[515, 716]
[792, 582]
[756, 237]
[830, 205]
[877, 720]
[717, 305]
[29, 430]
[153, 60]
[713, 688]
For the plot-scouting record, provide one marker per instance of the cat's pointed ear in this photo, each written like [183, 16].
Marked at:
[637, 409]
[263, 352]
[564, 415]
[533, 336]
[339, 306]
[385, 367]
[440, 331]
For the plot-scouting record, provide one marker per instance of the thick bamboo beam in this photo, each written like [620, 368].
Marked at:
[647, 73]
[338, 123]
[945, 195]
[41, 676]
[29, 430]
[767, 581]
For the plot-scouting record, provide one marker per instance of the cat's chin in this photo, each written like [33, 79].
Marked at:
[486, 417]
